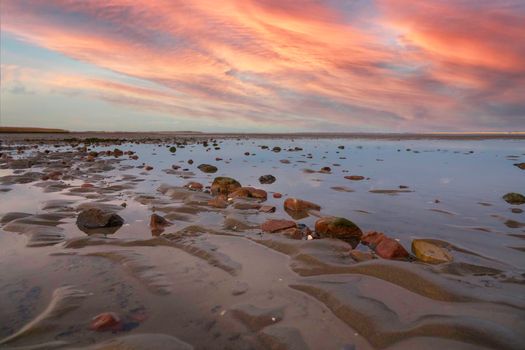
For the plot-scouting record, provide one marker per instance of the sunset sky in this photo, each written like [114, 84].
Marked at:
[264, 65]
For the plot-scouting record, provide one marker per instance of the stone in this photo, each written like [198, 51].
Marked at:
[105, 321]
[157, 224]
[359, 256]
[249, 192]
[207, 168]
[173, 149]
[267, 209]
[295, 204]
[514, 198]
[277, 195]
[385, 247]
[340, 228]
[276, 225]
[429, 252]
[219, 202]
[93, 219]
[267, 179]
[520, 165]
[224, 185]
[355, 177]
[325, 170]
[194, 186]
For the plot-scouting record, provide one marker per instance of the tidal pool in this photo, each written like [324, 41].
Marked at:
[212, 279]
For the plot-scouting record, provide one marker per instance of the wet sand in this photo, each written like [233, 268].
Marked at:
[231, 267]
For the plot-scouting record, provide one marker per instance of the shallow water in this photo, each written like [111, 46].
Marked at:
[222, 284]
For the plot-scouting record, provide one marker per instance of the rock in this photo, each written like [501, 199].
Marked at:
[355, 177]
[207, 168]
[104, 322]
[360, 256]
[148, 168]
[224, 185]
[267, 179]
[520, 165]
[516, 210]
[274, 225]
[95, 220]
[277, 195]
[173, 149]
[341, 147]
[276, 149]
[87, 185]
[267, 209]
[285, 161]
[219, 202]
[157, 224]
[195, 186]
[325, 170]
[429, 252]
[249, 192]
[383, 246]
[514, 198]
[340, 228]
[190, 161]
[295, 204]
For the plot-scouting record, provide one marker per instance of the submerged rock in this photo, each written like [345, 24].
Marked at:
[224, 185]
[429, 252]
[340, 228]
[95, 220]
[355, 177]
[514, 198]
[157, 224]
[267, 179]
[383, 246]
[274, 225]
[207, 168]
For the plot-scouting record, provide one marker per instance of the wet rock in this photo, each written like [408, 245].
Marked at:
[274, 225]
[224, 185]
[240, 288]
[190, 161]
[267, 209]
[354, 177]
[520, 165]
[276, 149]
[95, 220]
[106, 321]
[514, 198]
[195, 186]
[294, 204]
[267, 179]
[340, 228]
[158, 224]
[173, 149]
[238, 223]
[383, 246]
[516, 210]
[277, 195]
[325, 170]
[285, 161]
[148, 168]
[249, 192]
[207, 168]
[429, 252]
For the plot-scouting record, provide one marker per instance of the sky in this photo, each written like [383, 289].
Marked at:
[264, 65]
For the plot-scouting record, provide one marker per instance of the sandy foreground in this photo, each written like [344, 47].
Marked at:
[212, 241]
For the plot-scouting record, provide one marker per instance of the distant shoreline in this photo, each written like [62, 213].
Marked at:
[14, 134]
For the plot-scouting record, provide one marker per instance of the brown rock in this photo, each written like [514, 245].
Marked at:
[249, 192]
[277, 195]
[355, 177]
[224, 185]
[218, 202]
[277, 225]
[385, 247]
[148, 167]
[520, 165]
[267, 209]
[157, 224]
[340, 228]
[295, 204]
[105, 321]
[360, 256]
[195, 186]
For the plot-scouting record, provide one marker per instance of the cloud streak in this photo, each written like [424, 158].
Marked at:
[388, 65]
